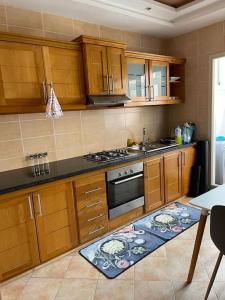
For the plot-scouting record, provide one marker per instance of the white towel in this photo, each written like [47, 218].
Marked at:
[53, 108]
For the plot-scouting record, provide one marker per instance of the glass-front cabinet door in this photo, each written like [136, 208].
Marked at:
[159, 85]
[138, 87]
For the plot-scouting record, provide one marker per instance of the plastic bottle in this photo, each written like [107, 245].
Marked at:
[178, 135]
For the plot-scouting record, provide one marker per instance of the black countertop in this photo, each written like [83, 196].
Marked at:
[17, 179]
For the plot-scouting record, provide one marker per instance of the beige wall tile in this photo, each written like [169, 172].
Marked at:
[23, 17]
[57, 24]
[152, 43]
[59, 36]
[9, 131]
[8, 118]
[3, 28]
[30, 117]
[11, 149]
[26, 31]
[2, 15]
[66, 125]
[36, 128]
[69, 140]
[12, 163]
[39, 144]
[113, 34]
[133, 40]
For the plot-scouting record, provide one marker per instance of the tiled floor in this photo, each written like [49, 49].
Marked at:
[159, 276]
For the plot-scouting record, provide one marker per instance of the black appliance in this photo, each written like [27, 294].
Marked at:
[125, 189]
[111, 155]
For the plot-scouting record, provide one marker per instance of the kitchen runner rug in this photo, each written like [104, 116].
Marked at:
[120, 250]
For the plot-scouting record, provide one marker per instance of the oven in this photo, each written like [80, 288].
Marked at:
[125, 189]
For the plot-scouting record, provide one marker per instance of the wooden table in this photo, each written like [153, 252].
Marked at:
[206, 201]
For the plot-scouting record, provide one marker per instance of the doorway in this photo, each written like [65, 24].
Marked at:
[218, 121]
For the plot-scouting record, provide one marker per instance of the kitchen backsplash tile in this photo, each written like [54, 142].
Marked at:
[75, 134]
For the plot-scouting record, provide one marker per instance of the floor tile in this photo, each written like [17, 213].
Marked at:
[80, 268]
[56, 269]
[40, 289]
[160, 252]
[195, 290]
[220, 276]
[219, 288]
[12, 290]
[153, 290]
[126, 275]
[77, 289]
[114, 290]
[177, 248]
[151, 268]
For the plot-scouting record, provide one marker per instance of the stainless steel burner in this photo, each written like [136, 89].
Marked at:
[110, 155]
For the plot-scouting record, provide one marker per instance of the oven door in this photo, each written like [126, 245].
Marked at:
[124, 190]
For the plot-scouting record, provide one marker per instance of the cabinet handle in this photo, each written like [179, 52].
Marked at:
[112, 90]
[29, 198]
[93, 204]
[95, 218]
[107, 83]
[39, 204]
[92, 191]
[98, 229]
[45, 91]
[184, 158]
[152, 93]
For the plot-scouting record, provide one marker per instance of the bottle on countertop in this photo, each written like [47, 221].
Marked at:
[178, 135]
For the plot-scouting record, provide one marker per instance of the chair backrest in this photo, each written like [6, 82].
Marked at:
[217, 227]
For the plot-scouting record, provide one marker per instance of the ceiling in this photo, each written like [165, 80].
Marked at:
[158, 19]
[175, 3]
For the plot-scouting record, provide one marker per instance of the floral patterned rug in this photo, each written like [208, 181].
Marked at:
[120, 250]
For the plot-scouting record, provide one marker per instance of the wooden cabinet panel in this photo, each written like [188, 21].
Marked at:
[93, 230]
[21, 75]
[188, 160]
[96, 69]
[173, 180]
[64, 68]
[55, 219]
[154, 183]
[117, 70]
[18, 247]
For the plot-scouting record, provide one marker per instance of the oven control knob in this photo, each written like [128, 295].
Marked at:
[131, 171]
[125, 172]
[119, 174]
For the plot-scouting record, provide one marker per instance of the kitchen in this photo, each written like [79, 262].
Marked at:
[67, 182]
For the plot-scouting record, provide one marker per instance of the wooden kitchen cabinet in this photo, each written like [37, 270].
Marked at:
[55, 220]
[105, 66]
[92, 209]
[188, 156]
[18, 239]
[173, 176]
[64, 69]
[154, 183]
[21, 77]
[159, 80]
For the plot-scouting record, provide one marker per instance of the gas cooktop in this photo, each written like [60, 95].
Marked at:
[110, 155]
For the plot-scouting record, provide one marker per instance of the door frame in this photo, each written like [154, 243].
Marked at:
[211, 127]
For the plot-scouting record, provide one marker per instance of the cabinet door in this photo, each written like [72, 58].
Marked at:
[96, 69]
[159, 81]
[64, 68]
[21, 76]
[188, 160]
[138, 79]
[154, 183]
[117, 71]
[18, 241]
[172, 171]
[55, 219]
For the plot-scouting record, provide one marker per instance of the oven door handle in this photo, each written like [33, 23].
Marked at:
[128, 179]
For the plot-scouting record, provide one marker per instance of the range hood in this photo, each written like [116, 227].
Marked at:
[108, 100]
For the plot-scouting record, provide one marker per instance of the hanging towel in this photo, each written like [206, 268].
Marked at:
[53, 108]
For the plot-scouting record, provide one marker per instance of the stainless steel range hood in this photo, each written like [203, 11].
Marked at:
[108, 100]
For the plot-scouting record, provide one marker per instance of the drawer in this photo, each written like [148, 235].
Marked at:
[87, 217]
[89, 190]
[93, 230]
[87, 203]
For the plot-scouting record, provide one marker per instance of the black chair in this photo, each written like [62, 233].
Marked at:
[217, 225]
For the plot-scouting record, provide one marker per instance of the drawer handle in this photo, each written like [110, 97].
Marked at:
[29, 197]
[95, 218]
[93, 204]
[98, 229]
[92, 191]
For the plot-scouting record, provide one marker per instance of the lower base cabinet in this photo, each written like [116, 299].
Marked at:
[154, 183]
[36, 227]
[18, 239]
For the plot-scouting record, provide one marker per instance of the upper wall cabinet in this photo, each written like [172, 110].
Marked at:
[27, 68]
[155, 79]
[105, 66]
[21, 76]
